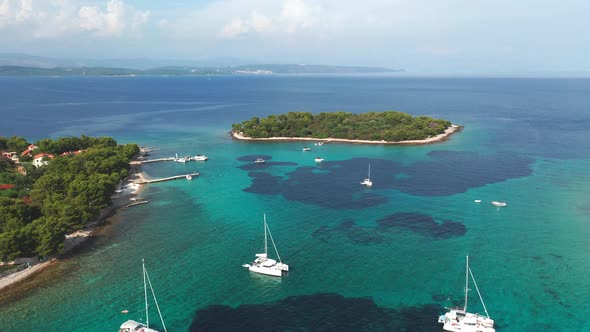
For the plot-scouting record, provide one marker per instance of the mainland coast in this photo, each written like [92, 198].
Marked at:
[130, 190]
[429, 140]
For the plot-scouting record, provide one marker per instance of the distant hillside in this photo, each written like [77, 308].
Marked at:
[188, 71]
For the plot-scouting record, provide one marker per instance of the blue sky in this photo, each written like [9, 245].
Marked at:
[422, 36]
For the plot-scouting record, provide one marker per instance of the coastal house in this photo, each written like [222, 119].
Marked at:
[29, 150]
[40, 159]
[68, 153]
[12, 155]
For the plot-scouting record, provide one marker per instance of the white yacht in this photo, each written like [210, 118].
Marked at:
[264, 265]
[318, 159]
[319, 143]
[459, 320]
[133, 326]
[306, 149]
[200, 157]
[367, 182]
[189, 177]
[477, 201]
[499, 203]
[259, 161]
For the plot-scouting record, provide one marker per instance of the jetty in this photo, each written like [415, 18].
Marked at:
[141, 162]
[136, 203]
[182, 176]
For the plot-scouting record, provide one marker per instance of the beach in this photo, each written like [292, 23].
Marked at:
[429, 140]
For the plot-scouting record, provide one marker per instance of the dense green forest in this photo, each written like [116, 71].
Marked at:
[53, 200]
[389, 126]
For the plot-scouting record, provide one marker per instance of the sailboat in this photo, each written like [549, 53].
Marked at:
[367, 182]
[459, 320]
[131, 325]
[264, 265]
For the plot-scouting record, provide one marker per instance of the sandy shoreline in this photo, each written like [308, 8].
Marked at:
[119, 200]
[438, 138]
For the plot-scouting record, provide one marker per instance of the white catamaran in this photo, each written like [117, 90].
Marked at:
[264, 265]
[367, 182]
[133, 326]
[459, 320]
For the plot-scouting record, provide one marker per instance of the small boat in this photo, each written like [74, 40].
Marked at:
[200, 157]
[318, 159]
[133, 326]
[264, 265]
[367, 182]
[306, 149]
[189, 177]
[477, 201]
[180, 160]
[499, 203]
[319, 143]
[259, 161]
[459, 320]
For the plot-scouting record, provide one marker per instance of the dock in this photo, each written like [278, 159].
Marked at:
[141, 162]
[183, 176]
[136, 203]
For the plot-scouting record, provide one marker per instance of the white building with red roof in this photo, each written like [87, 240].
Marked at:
[38, 159]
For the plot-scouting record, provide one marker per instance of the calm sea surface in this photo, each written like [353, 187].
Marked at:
[388, 258]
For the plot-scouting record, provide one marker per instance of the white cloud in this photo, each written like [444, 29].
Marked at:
[291, 17]
[34, 19]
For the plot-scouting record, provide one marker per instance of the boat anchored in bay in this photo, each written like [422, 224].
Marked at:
[133, 326]
[264, 265]
[459, 320]
[367, 182]
[499, 203]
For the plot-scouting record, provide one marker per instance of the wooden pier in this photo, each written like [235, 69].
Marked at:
[183, 176]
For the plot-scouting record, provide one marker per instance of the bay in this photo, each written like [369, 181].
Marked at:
[391, 257]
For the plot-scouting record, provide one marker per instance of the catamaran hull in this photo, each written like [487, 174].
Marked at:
[265, 270]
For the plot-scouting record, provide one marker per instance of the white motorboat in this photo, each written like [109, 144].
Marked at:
[367, 182]
[318, 159]
[181, 160]
[264, 265]
[499, 203]
[133, 326]
[477, 201]
[259, 161]
[306, 149]
[319, 143]
[459, 320]
[189, 177]
[200, 157]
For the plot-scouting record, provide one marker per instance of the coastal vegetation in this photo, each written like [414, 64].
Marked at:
[388, 126]
[52, 200]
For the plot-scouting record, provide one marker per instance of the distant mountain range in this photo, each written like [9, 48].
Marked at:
[29, 65]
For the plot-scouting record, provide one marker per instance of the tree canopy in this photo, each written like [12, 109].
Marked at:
[389, 126]
[64, 195]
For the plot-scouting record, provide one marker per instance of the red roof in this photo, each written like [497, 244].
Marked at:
[43, 154]
[6, 186]
[27, 200]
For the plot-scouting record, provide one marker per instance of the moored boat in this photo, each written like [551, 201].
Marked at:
[499, 203]
[264, 265]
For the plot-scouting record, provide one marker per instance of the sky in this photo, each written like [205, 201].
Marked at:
[419, 36]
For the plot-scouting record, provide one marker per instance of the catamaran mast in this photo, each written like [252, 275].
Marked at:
[147, 318]
[466, 282]
[265, 241]
[478, 293]
[273, 244]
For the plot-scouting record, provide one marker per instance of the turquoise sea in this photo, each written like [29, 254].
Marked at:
[388, 258]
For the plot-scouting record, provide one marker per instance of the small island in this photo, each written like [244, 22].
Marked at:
[366, 128]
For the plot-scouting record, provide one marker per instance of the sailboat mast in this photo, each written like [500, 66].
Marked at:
[147, 318]
[265, 240]
[466, 282]
[369, 171]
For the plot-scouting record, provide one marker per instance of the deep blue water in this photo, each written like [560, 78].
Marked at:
[386, 258]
